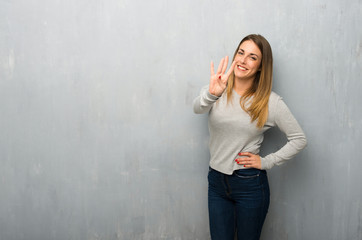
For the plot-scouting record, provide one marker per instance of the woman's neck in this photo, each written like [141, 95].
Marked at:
[242, 85]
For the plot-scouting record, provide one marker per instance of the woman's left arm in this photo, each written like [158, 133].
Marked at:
[286, 122]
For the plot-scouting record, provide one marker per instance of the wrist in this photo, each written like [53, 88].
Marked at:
[212, 96]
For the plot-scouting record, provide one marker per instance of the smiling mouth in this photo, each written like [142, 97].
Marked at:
[241, 68]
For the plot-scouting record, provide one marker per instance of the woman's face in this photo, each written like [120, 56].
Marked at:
[248, 60]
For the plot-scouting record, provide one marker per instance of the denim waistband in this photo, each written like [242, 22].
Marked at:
[241, 170]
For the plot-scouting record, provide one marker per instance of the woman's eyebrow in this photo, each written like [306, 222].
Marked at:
[254, 54]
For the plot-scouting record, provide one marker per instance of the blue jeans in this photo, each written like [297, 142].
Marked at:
[238, 203]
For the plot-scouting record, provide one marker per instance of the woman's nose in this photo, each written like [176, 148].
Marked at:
[242, 59]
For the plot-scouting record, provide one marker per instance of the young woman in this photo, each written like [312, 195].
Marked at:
[241, 107]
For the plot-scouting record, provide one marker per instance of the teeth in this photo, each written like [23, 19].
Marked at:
[241, 68]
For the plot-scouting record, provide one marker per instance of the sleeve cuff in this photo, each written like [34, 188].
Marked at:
[265, 163]
[211, 97]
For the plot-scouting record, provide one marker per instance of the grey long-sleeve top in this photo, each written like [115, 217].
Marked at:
[232, 132]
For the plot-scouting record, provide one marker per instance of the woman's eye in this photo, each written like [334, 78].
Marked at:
[253, 58]
[241, 53]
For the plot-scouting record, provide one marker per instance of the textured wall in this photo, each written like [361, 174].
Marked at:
[98, 138]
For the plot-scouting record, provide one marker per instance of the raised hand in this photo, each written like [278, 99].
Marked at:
[218, 80]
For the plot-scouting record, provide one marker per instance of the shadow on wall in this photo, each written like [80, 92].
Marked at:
[274, 139]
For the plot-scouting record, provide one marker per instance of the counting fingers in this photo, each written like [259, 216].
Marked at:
[225, 64]
[221, 64]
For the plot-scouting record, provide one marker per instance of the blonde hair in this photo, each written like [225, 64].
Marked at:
[262, 84]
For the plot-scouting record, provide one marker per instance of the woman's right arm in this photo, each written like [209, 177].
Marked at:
[211, 93]
[203, 103]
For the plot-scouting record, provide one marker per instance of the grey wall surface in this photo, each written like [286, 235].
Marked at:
[98, 138]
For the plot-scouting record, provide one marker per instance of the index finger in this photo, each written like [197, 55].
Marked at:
[245, 154]
[231, 69]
